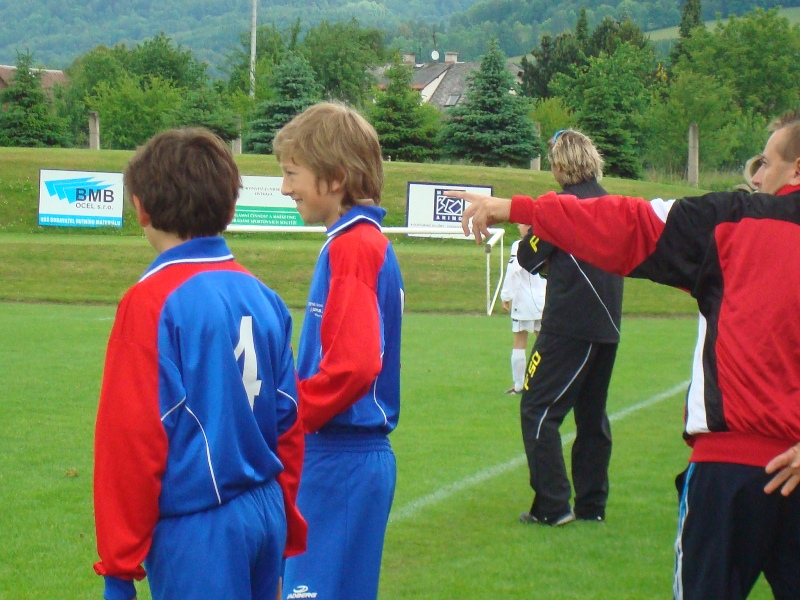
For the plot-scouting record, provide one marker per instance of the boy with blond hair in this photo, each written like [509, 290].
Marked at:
[349, 357]
[198, 442]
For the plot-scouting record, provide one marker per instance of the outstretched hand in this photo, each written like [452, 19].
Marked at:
[789, 474]
[484, 211]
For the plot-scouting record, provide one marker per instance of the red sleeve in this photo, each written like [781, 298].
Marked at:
[291, 448]
[350, 331]
[615, 233]
[130, 446]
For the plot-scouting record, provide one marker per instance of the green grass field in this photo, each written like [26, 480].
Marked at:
[461, 482]
[462, 479]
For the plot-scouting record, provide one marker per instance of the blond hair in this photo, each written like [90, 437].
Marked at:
[576, 157]
[336, 144]
[791, 147]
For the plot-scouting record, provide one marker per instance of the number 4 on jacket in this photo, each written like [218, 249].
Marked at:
[246, 346]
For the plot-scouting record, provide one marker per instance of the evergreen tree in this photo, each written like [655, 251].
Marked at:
[26, 116]
[691, 19]
[400, 120]
[492, 126]
[582, 28]
[568, 52]
[561, 54]
[294, 90]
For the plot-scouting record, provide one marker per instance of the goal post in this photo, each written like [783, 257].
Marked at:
[497, 235]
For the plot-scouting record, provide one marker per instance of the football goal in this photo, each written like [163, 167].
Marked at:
[497, 234]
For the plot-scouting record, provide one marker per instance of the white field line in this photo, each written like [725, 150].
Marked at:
[415, 506]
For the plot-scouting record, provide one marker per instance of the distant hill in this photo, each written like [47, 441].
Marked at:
[57, 31]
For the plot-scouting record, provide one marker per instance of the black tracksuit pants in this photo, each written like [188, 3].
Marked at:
[565, 373]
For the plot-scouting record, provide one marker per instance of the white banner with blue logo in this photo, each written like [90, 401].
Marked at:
[80, 199]
[427, 207]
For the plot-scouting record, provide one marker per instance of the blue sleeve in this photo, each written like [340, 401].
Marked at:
[118, 589]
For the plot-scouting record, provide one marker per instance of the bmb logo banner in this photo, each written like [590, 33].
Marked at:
[80, 199]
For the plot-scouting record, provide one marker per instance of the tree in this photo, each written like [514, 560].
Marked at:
[552, 115]
[294, 89]
[206, 107]
[26, 115]
[715, 112]
[270, 49]
[492, 126]
[560, 55]
[102, 64]
[757, 55]
[609, 96]
[610, 34]
[400, 120]
[132, 110]
[582, 28]
[157, 57]
[341, 55]
[691, 19]
[569, 52]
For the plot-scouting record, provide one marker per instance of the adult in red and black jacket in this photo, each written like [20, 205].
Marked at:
[573, 357]
[737, 255]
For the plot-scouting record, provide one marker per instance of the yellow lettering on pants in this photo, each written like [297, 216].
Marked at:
[536, 358]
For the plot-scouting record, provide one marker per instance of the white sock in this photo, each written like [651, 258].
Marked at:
[518, 363]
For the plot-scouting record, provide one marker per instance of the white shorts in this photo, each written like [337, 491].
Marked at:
[529, 326]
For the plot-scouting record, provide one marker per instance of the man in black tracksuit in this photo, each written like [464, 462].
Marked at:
[572, 360]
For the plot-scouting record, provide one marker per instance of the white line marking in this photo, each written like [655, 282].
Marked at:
[415, 506]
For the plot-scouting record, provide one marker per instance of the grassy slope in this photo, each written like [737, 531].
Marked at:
[671, 33]
[70, 265]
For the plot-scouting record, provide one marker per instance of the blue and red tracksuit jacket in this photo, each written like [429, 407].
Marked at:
[737, 255]
[348, 362]
[198, 402]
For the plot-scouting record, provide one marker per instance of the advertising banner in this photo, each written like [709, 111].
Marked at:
[428, 207]
[80, 199]
[261, 203]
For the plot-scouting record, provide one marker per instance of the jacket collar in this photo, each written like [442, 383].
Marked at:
[788, 189]
[197, 250]
[357, 214]
[585, 189]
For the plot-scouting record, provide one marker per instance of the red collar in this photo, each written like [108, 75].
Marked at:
[788, 189]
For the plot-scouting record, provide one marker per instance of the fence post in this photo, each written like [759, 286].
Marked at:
[236, 144]
[536, 161]
[94, 130]
[693, 174]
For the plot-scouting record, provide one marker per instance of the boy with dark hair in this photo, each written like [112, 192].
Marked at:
[349, 357]
[198, 441]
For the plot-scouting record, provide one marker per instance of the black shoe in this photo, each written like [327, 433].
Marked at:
[596, 517]
[513, 391]
[528, 518]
